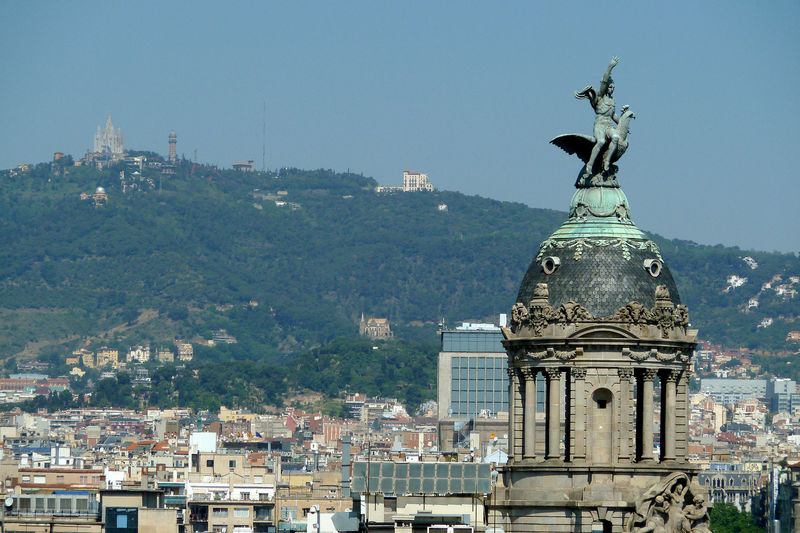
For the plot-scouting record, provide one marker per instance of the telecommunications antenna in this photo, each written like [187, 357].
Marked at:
[264, 138]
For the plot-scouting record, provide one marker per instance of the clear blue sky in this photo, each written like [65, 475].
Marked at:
[470, 93]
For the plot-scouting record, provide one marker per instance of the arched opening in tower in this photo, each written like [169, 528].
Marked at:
[602, 426]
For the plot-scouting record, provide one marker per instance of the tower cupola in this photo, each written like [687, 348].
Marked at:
[598, 325]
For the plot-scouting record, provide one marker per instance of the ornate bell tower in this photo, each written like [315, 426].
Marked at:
[599, 324]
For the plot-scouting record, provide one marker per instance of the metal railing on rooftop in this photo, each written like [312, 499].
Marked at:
[85, 513]
[206, 497]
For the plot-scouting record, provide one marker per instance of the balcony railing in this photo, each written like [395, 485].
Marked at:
[211, 497]
[175, 499]
[84, 513]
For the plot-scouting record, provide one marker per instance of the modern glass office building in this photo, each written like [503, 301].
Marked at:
[479, 385]
[472, 375]
[472, 384]
[472, 378]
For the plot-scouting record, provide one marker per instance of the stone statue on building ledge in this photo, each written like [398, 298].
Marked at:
[610, 140]
[671, 506]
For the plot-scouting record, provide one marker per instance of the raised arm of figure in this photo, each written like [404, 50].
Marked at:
[606, 81]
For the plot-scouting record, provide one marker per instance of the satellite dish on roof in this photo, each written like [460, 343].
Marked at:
[9, 502]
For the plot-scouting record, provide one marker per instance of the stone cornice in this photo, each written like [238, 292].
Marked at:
[620, 468]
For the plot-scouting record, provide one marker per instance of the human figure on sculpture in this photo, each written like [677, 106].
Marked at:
[676, 499]
[656, 502]
[657, 517]
[696, 516]
[605, 121]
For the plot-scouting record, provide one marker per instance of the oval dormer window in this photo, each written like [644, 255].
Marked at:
[653, 267]
[550, 264]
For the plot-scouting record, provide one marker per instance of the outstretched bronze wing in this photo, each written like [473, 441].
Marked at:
[574, 143]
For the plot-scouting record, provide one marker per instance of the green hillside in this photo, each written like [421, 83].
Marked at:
[287, 263]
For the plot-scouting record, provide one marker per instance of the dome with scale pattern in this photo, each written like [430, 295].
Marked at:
[598, 257]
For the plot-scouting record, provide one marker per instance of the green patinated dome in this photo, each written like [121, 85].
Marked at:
[598, 257]
[599, 212]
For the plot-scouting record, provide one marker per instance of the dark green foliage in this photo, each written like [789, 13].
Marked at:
[389, 369]
[151, 156]
[722, 317]
[779, 366]
[731, 364]
[726, 518]
[250, 384]
[178, 314]
[186, 259]
[110, 392]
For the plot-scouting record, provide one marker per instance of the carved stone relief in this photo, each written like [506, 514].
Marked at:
[664, 357]
[538, 314]
[673, 505]
[625, 374]
[521, 354]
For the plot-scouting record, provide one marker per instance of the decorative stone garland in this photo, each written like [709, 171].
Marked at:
[538, 314]
[578, 245]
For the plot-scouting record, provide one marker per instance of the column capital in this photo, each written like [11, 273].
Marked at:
[625, 373]
[552, 373]
[672, 376]
[529, 373]
[512, 372]
[578, 373]
[648, 374]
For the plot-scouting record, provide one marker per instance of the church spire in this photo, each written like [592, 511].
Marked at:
[109, 139]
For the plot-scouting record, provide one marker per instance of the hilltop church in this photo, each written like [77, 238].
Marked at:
[109, 141]
[375, 328]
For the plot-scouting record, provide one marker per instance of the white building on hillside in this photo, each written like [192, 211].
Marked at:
[138, 354]
[416, 181]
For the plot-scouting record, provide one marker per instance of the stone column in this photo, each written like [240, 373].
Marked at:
[579, 375]
[668, 431]
[512, 415]
[553, 413]
[529, 423]
[625, 375]
[646, 431]
[682, 424]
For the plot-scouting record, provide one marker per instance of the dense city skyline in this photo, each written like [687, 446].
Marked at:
[470, 97]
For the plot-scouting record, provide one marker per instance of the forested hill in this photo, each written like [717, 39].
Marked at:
[287, 262]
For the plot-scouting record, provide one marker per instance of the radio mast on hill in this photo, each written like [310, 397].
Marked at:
[264, 138]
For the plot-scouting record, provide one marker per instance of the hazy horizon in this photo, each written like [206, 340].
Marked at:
[471, 96]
